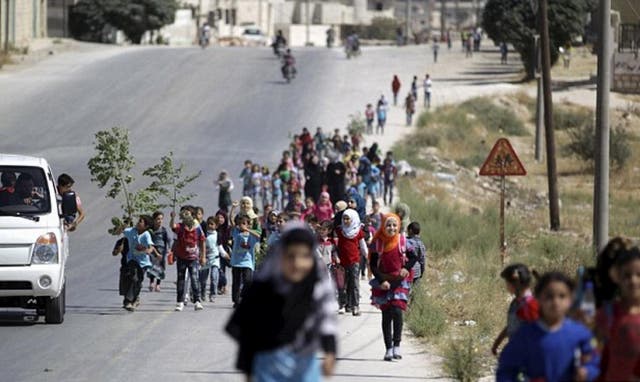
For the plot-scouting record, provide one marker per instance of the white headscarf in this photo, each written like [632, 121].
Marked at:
[354, 227]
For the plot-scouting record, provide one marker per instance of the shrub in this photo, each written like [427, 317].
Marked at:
[425, 317]
[566, 117]
[582, 144]
[495, 117]
[426, 139]
[356, 125]
[462, 361]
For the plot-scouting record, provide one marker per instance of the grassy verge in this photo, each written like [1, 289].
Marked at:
[461, 304]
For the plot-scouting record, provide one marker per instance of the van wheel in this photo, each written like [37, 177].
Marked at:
[55, 307]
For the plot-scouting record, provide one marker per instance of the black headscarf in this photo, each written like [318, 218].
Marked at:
[273, 311]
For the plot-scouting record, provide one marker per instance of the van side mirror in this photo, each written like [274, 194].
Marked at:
[69, 203]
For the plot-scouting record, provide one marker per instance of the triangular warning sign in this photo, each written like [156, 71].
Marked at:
[502, 161]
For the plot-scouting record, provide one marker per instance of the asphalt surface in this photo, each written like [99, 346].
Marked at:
[213, 109]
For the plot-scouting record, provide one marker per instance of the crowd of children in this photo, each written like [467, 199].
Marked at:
[565, 330]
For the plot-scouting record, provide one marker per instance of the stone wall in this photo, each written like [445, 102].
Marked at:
[27, 21]
[626, 73]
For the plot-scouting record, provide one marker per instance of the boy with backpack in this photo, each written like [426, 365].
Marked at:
[415, 242]
[190, 250]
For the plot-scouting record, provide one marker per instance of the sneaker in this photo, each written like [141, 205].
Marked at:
[198, 306]
[151, 288]
[129, 306]
[356, 311]
[157, 287]
[388, 356]
[212, 299]
[396, 352]
[341, 310]
[348, 309]
[179, 307]
[136, 303]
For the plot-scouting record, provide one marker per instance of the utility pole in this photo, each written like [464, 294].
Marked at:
[443, 17]
[601, 181]
[6, 27]
[552, 171]
[308, 22]
[539, 103]
[407, 27]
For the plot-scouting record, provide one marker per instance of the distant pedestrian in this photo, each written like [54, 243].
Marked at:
[566, 56]
[390, 172]
[224, 186]
[504, 51]
[395, 88]
[414, 88]
[410, 108]
[523, 307]
[140, 247]
[381, 110]
[391, 264]
[369, 115]
[351, 246]
[469, 45]
[161, 246]
[555, 348]
[287, 315]
[449, 42]
[243, 258]
[415, 242]
[427, 91]
[436, 49]
[190, 250]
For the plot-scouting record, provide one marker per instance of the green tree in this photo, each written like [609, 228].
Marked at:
[514, 21]
[111, 167]
[88, 18]
[135, 17]
[169, 181]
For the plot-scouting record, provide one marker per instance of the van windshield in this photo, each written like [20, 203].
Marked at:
[23, 191]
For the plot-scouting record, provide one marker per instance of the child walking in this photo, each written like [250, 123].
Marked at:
[211, 269]
[618, 321]
[224, 186]
[523, 307]
[554, 348]
[294, 302]
[138, 261]
[414, 241]
[161, 246]
[351, 245]
[190, 250]
[391, 264]
[370, 115]
[243, 259]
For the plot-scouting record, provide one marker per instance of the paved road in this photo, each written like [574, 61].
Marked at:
[214, 109]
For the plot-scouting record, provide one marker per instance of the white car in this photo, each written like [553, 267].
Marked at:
[253, 36]
[34, 245]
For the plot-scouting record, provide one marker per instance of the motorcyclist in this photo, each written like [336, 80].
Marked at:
[279, 42]
[205, 35]
[288, 61]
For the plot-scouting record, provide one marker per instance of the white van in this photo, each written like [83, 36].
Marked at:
[34, 245]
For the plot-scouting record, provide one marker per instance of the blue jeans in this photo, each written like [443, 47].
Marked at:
[283, 365]
[191, 266]
[213, 274]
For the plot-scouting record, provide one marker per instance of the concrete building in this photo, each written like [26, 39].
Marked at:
[22, 21]
[58, 17]
[431, 14]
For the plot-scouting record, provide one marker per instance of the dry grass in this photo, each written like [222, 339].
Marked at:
[462, 287]
[583, 64]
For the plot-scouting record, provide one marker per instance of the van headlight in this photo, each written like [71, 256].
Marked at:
[45, 250]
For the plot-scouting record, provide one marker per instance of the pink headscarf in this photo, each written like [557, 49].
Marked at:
[324, 211]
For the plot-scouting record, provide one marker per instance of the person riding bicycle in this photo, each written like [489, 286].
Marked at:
[288, 61]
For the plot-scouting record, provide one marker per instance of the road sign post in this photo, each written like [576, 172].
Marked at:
[502, 162]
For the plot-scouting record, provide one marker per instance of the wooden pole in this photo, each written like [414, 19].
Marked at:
[552, 171]
[503, 240]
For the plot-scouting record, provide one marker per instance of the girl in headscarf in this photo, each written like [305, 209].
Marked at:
[351, 246]
[224, 239]
[361, 204]
[293, 298]
[323, 210]
[246, 209]
[391, 263]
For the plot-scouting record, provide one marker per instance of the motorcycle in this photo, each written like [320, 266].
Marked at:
[287, 72]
